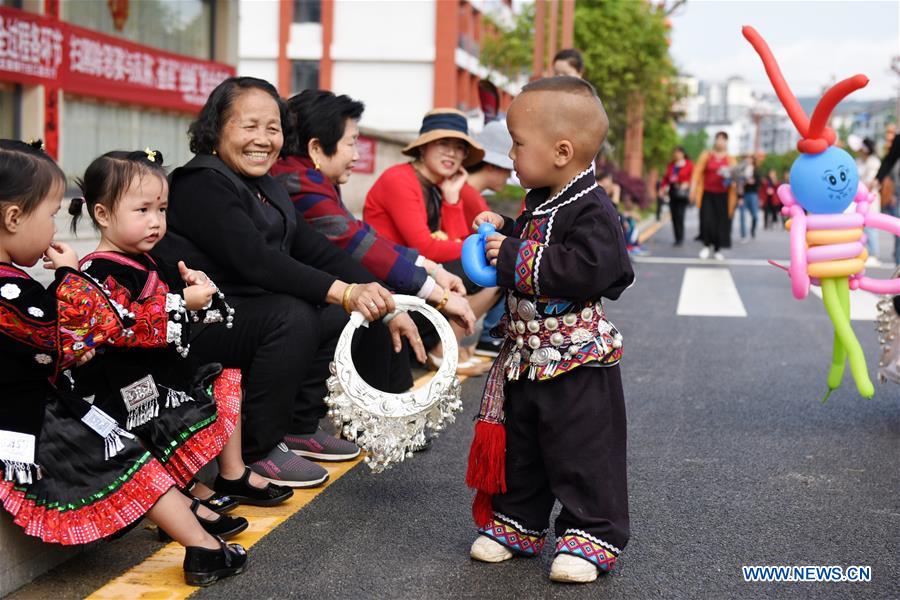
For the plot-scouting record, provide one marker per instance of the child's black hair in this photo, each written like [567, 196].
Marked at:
[27, 174]
[108, 177]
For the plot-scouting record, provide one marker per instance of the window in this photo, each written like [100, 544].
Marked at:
[305, 75]
[307, 11]
[180, 26]
[9, 103]
[90, 128]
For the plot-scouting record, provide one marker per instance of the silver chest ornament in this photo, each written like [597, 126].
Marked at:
[388, 426]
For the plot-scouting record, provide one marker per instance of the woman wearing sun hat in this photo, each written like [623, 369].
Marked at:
[418, 203]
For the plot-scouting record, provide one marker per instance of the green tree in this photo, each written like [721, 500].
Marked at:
[694, 143]
[509, 53]
[625, 49]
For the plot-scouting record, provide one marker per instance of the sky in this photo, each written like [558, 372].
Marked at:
[814, 42]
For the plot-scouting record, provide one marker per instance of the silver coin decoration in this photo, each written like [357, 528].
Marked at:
[570, 319]
[388, 426]
[551, 323]
[534, 326]
[526, 310]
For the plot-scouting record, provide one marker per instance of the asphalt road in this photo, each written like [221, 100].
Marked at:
[733, 461]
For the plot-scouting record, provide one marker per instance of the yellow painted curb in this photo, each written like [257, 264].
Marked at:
[160, 576]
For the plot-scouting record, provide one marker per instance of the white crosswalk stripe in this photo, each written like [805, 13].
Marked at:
[863, 304]
[709, 293]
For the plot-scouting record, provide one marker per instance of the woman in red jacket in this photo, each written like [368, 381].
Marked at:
[677, 184]
[418, 204]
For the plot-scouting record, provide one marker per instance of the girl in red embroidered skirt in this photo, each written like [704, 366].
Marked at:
[69, 474]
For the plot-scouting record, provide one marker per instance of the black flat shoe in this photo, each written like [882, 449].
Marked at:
[220, 503]
[244, 493]
[203, 567]
[224, 526]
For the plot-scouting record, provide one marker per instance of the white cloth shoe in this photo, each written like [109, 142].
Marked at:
[704, 254]
[719, 256]
[487, 550]
[571, 569]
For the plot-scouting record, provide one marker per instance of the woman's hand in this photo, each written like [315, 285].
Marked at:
[488, 217]
[458, 310]
[372, 300]
[449, 281]
[451, 186]
[199, 295]
[60, 255]
[402, 326]
[492, 247]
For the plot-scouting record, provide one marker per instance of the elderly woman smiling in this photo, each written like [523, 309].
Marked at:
[290, 287]
[318, 156]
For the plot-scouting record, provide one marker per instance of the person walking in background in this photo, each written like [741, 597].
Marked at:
[751, 175]
[868, 164]
[714, 191]
[676, 185]
[887, 177]
[770, 200]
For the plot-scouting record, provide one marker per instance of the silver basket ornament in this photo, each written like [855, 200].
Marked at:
[887, 324]
[389, 426]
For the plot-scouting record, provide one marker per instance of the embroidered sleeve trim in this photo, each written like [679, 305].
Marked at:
[525, 267]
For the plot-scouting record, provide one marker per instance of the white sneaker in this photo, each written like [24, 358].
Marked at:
[719, 256]
[487, 550]
[873, 261]
[704, 254]
[571, 569]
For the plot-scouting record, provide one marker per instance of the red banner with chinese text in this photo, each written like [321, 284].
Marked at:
[35, 49]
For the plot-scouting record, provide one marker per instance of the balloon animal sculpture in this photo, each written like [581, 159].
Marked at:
[827, 243]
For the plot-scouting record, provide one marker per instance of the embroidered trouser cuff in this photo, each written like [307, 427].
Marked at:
[583, 545]
[509, 533]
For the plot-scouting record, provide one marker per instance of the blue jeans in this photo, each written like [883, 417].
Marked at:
[750, 204]
[492, 319]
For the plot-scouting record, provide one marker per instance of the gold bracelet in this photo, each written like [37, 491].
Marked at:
[345, 301]
[443, 301]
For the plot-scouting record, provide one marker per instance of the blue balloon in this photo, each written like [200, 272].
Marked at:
[824, 183]
[474, 262]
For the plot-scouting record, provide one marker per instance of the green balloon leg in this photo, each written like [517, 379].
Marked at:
[836, 296]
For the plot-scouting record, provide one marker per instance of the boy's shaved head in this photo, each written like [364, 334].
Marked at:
[568, 108]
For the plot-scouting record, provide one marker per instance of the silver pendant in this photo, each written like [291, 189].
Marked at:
[526, 310]
[511, 303]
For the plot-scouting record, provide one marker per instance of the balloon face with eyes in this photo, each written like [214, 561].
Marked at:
[826, 182]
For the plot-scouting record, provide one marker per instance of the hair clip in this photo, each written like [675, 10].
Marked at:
[151, 154]
[37, 144]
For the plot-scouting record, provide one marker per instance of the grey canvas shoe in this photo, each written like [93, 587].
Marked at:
[283, 467]
[321, 446]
